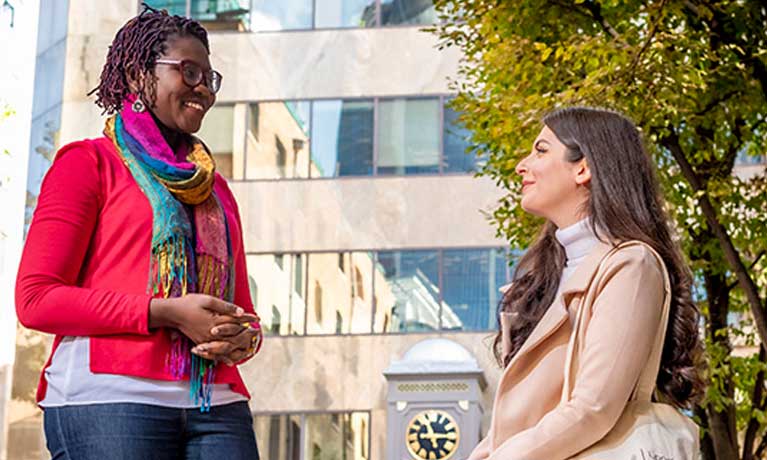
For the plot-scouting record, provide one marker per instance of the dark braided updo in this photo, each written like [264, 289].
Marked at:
[133, 53]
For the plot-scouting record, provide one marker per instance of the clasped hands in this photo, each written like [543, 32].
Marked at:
[220, 330]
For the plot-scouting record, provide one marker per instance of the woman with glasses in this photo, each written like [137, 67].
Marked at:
[135, 261]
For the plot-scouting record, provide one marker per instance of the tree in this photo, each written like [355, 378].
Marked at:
[693, 75]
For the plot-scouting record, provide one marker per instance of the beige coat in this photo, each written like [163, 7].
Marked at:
[624, 303]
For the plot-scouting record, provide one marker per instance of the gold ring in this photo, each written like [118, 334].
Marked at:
[246, 324]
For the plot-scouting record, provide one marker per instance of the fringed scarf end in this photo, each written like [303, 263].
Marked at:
[201, 382]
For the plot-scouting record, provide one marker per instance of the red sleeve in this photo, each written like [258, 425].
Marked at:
[47, 296]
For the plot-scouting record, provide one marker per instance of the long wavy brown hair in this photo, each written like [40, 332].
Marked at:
[624, 204]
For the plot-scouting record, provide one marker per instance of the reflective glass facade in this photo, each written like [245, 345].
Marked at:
[274, 15]
[337, 138]
[379, 291]
[270, 15]
[322, 436]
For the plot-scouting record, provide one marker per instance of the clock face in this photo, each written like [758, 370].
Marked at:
[432, 435]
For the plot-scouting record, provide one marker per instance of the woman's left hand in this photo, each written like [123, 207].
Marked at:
[237, 343]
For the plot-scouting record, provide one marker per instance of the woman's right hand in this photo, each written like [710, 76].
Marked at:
[195, 315]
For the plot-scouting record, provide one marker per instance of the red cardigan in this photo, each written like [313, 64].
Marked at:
[85, 265]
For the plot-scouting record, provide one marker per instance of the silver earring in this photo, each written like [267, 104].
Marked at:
[138, 106]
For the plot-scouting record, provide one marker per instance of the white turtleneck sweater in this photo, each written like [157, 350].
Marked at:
[578, 240]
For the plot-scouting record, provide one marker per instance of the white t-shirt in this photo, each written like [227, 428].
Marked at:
[71, 382]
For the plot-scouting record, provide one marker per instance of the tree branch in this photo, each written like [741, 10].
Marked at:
[671, 142]
[646, 45]
[750, 267]
[762, 446]
[596, 12]
[692, 7]
[712, 104]
[758, 400]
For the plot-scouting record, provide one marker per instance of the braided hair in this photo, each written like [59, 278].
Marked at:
[133, 53]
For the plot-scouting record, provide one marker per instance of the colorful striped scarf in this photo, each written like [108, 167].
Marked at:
[191, 250]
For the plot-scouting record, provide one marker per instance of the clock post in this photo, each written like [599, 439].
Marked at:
[433, 402]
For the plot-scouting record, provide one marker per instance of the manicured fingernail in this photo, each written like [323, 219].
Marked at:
[239, 311]
[215, 331]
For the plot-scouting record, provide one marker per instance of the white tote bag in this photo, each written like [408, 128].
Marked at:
[646, 430]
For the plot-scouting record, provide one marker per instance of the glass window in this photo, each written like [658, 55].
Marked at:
[339, 323]
[217, 132]
[224, 14]
[345, 13]
[277, 144]
[276, 325]
[297, 300]
[326, 440]
[342, 138]
[470, 282]
[390, 291]
[360, 316]
[253, 291]
[332, 436]
[279, 436]
[317, 296]
[280, 14]
[408, 136]
[298, 275]
[280, 307]
[408, 291]
[341, 300]
[215, 14]
[407, 12]
[455, 138]
[175, 7]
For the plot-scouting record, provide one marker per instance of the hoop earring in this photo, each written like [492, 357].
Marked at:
[138, 106]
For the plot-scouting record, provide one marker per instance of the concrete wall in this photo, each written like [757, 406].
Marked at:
[331, 64]
[366, 213]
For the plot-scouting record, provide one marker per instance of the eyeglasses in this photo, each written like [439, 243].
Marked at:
[193, 75]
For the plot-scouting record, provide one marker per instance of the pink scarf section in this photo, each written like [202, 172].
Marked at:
[142, 127]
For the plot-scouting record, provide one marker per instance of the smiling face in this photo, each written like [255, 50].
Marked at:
[553, 187]
[176, 105]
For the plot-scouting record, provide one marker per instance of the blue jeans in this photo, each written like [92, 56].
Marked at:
[126, 431]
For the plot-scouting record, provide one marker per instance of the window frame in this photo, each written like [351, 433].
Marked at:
[303, 415]
[511, 256]
[241, 169]
[313, 27]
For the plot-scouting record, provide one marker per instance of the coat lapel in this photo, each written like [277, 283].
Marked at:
[557, 314]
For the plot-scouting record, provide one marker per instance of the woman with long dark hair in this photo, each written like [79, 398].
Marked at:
[589, 176]
[135, 261]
